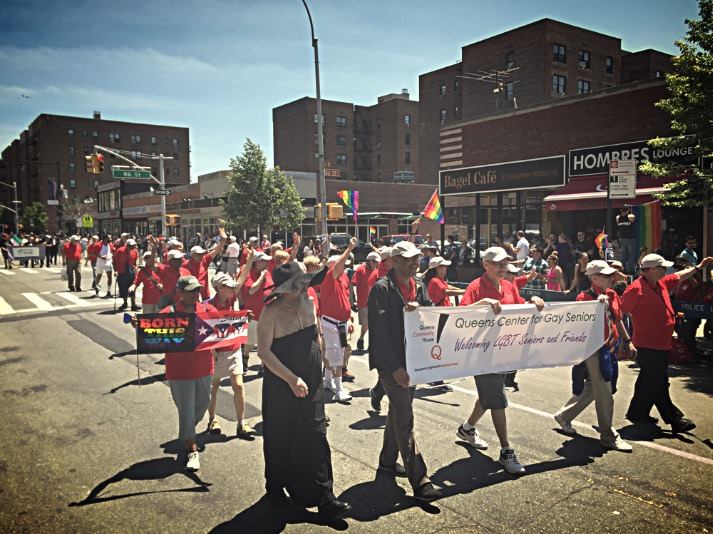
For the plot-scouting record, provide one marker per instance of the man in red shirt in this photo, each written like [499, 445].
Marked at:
[600, 367]
[72, 252]
[493, 290]
[201, 259]
[169, 273]
[256, 288]
[150, 279]
[125, 259]
[336, 312]
[647, 301]
[93, 250]
[360, 280]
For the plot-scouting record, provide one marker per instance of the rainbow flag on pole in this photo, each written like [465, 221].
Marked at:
[647, 226]
[372, 232]
[601, 241]
[351, 201]
[433, 209]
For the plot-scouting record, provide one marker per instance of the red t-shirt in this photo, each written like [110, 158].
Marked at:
[614, 310]
[169, 277]
[315, 299]
[380, 271]
[93, 251]
[437, 292]
[483, 288]
[360, 279]
[255, 302]
[130, 258]
[200, 271]
[334, 296]
[117, 258]
[408, 291]
[651, 311]
[520, 281]
[149, 279]
[189, 365]
[73, 251]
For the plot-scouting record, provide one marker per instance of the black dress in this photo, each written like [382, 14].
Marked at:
[297, 455]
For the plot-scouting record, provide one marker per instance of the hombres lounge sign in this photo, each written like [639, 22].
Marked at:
[511, 176]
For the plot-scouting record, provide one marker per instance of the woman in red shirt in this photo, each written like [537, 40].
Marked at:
[439, 290]
[151, 280]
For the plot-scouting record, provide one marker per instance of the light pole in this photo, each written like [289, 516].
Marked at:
[321, 185]
[16, 203]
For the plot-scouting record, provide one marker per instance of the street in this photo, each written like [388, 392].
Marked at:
[91, 446]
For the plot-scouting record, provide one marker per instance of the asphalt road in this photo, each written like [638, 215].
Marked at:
[89, 449]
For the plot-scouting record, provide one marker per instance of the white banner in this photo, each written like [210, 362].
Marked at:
[453, 342]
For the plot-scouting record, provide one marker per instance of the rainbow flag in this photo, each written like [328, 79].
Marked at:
[647, 226]
[351, 201]
[433, 209]
[372, 232]
[601, 241]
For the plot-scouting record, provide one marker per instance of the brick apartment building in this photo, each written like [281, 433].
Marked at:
[377, 143]
[537, 63]
[48, 157]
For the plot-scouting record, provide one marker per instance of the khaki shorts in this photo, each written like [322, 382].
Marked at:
[364, 316]
[150, 308]
[228, 363]
[252, 333]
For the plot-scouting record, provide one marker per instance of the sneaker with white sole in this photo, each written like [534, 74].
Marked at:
[508, 459]
[472, 438]
[193, 463]
[342, 395]
[329, 385]
[618, 445]
[566, 426]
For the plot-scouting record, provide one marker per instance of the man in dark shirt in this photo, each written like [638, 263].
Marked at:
[627, 241]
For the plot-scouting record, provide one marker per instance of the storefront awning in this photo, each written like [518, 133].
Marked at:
[590, 193]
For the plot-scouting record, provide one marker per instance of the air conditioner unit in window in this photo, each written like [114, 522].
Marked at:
[582, 64]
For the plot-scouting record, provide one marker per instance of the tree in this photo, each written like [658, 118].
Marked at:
[34, 218]
[73, 209]
[258, 197]
[690, 105]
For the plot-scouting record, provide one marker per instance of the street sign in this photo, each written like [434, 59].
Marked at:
[137, 173]
[87, 221]
[622, 178]
[163, 192]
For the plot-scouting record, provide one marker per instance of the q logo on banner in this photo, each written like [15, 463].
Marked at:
[436, 352]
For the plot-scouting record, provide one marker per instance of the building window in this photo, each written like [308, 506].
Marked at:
[443, 88]
[70, 132]
[153, 139]
[583, 86]
[71, 150]
[342, 160]
[585, 59]
[659, 74]
[509, 60]
[456, 84]
[407, 119]
[456, 110]
[559, 84]
[341, 140]
[341, 122]
[408, 157]
[407, 140]
[610, 64]
[95, 136]
[135, 139]
[443, 116]
[73, 184]
[559, 53]
[175, 142]
[114, 137]
[509, 91]
[135, 154]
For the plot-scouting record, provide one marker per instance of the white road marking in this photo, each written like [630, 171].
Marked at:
[535, 411]
[7, 272]
[76, 300]
[28, 270]
[38, 301]
[5, 308]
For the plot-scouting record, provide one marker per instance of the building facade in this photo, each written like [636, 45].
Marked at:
[47, 160]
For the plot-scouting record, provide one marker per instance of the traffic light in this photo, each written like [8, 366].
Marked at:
[94, 163]
[172, 219]
[334, 211]
[89, 163]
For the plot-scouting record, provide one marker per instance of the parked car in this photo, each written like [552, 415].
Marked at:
[391, 240]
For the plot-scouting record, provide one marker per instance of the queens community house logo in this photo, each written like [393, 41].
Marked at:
[436, 352]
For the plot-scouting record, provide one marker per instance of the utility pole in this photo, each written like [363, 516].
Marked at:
[321, 184]
[162, 185]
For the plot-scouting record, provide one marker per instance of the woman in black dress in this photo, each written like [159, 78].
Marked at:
[297, 454]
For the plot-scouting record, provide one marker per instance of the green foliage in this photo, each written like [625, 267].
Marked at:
[690, 105]
[34, 218]
[259, 197]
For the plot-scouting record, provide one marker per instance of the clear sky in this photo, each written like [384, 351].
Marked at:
[220, 66]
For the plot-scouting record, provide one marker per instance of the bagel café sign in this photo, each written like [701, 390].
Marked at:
[539, 173]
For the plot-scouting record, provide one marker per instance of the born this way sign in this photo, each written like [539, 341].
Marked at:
[448, 342]
[188, 332]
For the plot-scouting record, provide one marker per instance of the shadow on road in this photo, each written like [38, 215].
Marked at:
[147, 381]
[696, 376]
[372, 422]
[156, 469]
[263, 517]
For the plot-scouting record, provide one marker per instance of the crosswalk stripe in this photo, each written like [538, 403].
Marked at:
[38, 301]
[5, 308]
[76, 300]
[28, 270]
[7, 272]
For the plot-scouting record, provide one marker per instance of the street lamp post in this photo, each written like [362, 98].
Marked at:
[321, 185]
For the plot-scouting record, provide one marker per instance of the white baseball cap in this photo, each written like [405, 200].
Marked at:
[198, 250]
[405, 249]
[375, 256]
[147, 254]
[223, 279]
[495, 254]
[385, 253]
[654, 260]
[131, 242]
[175, 255]
[514, 269]
[233, 238]
[261, 256]
[599, 267]
[437, 261]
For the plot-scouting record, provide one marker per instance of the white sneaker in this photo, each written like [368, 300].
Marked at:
[471, 437]
[508, 459]
[566, 426]
[193, 463]
[342, 395]
[329, 385]
[618, 445]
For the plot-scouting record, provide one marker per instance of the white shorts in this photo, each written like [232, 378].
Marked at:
[103, 266]
[228, 363]
[334, 352]
[252, 333]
